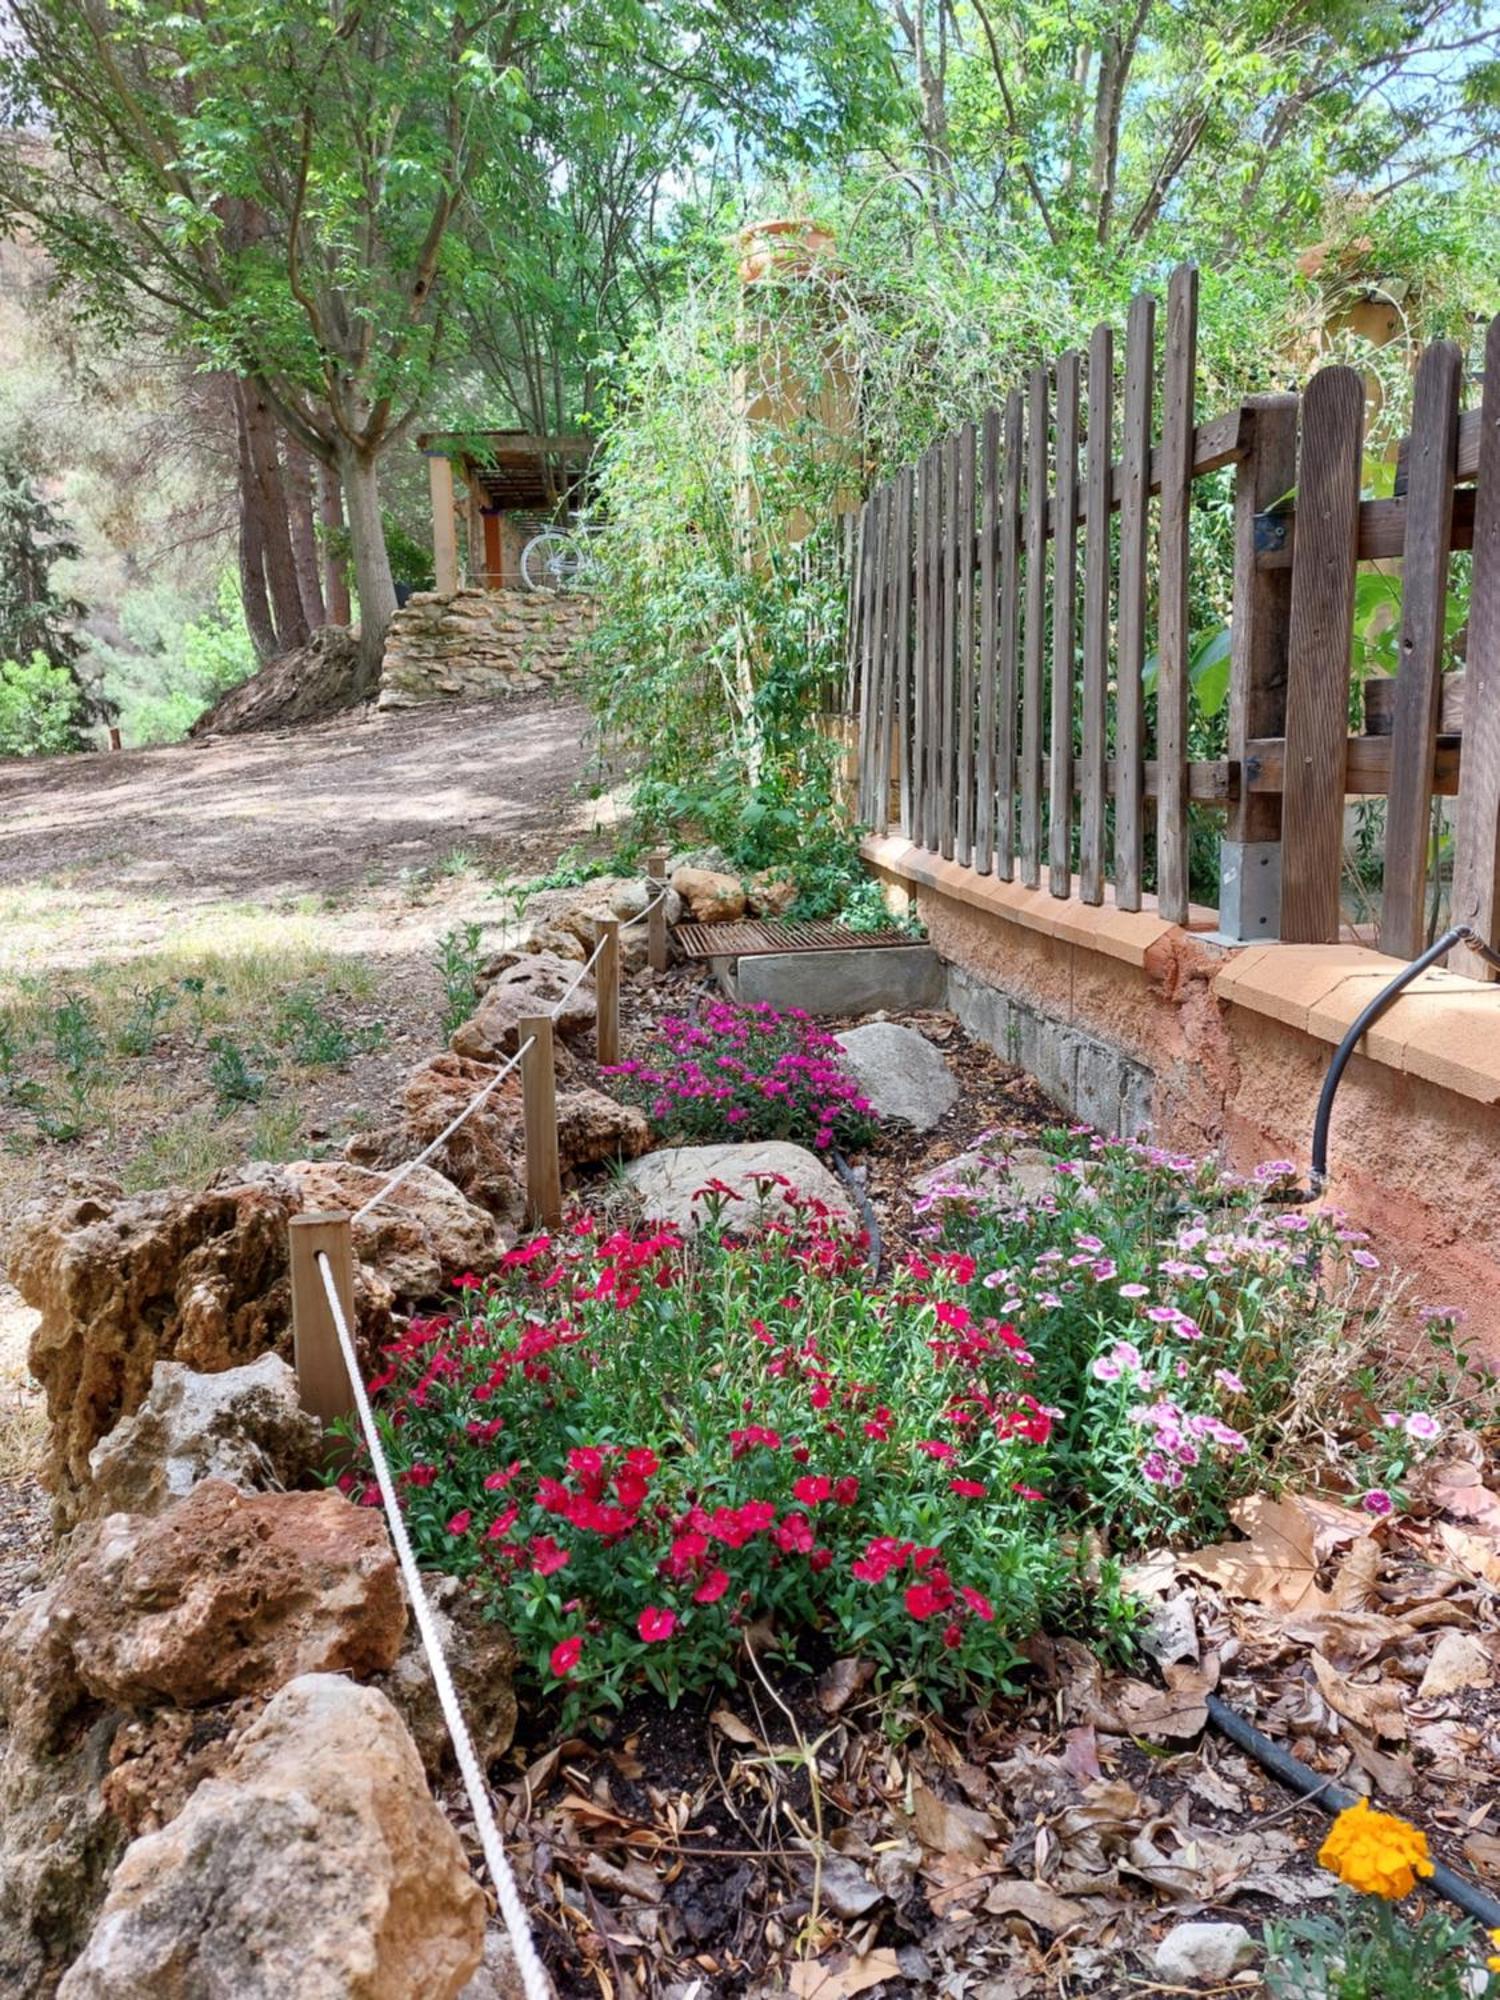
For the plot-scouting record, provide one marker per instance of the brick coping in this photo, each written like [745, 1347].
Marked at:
[1445, 1029]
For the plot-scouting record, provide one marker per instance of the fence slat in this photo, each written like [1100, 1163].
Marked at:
[989, 523]
[862, 740]
[1424, 599]
[607, 991]
[934, 647]
[539, 1110]
[917, 828]
[880, 508]
[947, 797]
[1096, 573]
[963, 845]
[1250, 853]
[1135, 523]
[1322, 622]
[1006, 688]
[1476, 854]
[903, 667]
[885, 748]
[1172, 612]
[1064, 633]
[1033, 641]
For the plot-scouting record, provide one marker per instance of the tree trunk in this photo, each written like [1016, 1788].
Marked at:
[297, 478]
[258, 622]
[281, 564]
[372, 565]
[335, 565]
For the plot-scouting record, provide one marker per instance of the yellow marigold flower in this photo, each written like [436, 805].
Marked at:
[1493, 1964]
[1375, 1852]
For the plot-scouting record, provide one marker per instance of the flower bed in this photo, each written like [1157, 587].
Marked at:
[641, 1455]
[747, 1073]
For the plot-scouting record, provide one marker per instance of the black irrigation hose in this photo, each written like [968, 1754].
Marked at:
[1297, 1777]
[1460, 934]
[856, 1187]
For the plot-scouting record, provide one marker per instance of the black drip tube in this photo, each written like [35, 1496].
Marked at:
[1293, 1773]
[1460, 934]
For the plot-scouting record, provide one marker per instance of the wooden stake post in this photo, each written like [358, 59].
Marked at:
[539, 1104]
[322, 1378]
[607, 993]
[656, 922]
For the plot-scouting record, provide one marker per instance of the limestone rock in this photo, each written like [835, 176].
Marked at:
[668, 1182]
[534, 985]
[124, 1282]
[499, 1977]
[901, 1073]
[220, 1595]
[710, 898]
[244, 1425]
[633, 899]
[592, 1128]
[158, 1760]
[482, 1657]
[315, 1865]
[987, 1173]
[58, 1843]
[423, 1234]
[770, 894]
[1208, 1953]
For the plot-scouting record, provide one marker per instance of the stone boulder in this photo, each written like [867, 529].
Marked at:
[988, 1173]
[901, 1073]
[58, 1842]
[710, 898]
[533, 985]
[770, 894]
[482, 1658]
[632, 899]
[315, 1864]
[669, 1184]
[221, 1595]
[245, 1425]
[122, 1282]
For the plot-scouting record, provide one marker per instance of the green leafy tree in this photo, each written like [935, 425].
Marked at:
[294, 180]
[34, 618]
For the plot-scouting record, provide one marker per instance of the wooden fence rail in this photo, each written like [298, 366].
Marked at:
[1021, 649]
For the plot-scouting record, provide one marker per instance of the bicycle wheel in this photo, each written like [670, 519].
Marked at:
[548, 561]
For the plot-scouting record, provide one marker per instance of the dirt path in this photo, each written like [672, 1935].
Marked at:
[109, 854]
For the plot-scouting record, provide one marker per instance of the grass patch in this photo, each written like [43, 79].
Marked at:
[192, 1149]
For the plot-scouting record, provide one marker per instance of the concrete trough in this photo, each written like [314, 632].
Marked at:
[852, 981]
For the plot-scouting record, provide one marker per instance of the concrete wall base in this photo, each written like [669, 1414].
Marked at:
[1088, 1077]
[841, 982]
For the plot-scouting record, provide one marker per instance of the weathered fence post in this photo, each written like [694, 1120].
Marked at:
[539, 1108]
[322, 1378]
[607, 993]
[1250, 851]
[1476, 855]
[656, 922]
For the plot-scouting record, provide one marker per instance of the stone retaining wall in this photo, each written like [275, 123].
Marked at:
[479, 644]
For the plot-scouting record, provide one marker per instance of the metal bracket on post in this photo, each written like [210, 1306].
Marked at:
[1249, 891]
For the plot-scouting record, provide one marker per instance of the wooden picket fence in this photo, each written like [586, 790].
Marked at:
[1004, 586]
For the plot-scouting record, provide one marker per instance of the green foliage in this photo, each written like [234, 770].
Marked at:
[1367, 1949]
[143, 1025]
[41, 709]
[230, 1074]
[460, 953]
[34, 619]
[173, 660]
[316, 1038]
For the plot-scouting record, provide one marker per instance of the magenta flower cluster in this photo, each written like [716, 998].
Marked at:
[747, 1073]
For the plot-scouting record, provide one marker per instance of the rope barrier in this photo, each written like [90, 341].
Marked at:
[641, 915]
[533, 1976]
[447, 1133]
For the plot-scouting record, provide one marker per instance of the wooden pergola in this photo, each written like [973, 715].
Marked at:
[505, 485]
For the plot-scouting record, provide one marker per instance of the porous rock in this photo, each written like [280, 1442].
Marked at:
[670, 1184]
[533, 985]
[220, 1595]
[58, 1843]
[244, 1425]
[901, 1073]
[987, 1173]
[315, 1864]
[1206, 1953]
[424, 1233]
[629, 900]
[481, 1656]
[711, 898]
[770, 894]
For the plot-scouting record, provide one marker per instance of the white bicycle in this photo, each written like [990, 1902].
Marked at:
[558, 559]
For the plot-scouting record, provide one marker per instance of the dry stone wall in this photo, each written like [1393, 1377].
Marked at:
[478, 644]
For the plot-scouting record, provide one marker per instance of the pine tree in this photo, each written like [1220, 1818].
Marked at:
[33, 537]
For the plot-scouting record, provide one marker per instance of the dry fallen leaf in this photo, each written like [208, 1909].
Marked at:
[1458, 1661]
[843, 1680]
[1277, 1564]
[951, 1830]
[1377, 1707]
[728, 1724]
[1471, 1552]
[818, 1981]
[1135, 1708]
[1482, 1852]
[1037, 1904]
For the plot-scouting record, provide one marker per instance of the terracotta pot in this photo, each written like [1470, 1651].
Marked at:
[1380, 705]
[786, 247]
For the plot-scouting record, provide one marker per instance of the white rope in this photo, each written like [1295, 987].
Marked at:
[533, 1977]
[447, 1133]
[641, 915]
[578, 978]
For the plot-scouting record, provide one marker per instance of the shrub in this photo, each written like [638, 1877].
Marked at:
[41, 708]
[747, 1073]
[1184, 1325]
[639, 1452]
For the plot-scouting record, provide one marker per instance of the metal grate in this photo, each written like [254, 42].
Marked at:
[752, 938]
